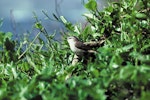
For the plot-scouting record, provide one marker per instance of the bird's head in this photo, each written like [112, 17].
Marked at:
[72, 39]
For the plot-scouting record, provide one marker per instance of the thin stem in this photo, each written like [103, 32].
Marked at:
[30, 45]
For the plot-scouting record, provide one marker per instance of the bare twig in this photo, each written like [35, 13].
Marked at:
[29, 45]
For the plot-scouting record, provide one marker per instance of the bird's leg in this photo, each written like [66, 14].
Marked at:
[75, 59]
[88, 56]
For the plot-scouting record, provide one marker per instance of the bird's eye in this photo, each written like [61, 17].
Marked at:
[69, 38]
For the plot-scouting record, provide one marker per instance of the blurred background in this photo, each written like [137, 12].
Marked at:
[17, 15]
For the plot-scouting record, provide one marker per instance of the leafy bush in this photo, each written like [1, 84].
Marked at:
[41, 69]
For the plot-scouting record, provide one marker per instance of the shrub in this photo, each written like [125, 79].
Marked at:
[41, 69]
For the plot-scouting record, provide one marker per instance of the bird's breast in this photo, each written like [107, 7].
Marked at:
[76, 50]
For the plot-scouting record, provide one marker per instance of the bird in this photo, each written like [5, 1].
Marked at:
[78, 47]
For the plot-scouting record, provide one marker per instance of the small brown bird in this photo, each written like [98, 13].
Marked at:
[78, 47]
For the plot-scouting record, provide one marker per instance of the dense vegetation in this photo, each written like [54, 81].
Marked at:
[41, 69]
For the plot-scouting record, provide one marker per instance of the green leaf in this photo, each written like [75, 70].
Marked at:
[141, 16]
[125, 48]
[145, 95]
[63, 19]
[128, 72]
[91, 5]
[8, 35]
[38, 25]
[1, 37]
[91, 16]
[139, 56]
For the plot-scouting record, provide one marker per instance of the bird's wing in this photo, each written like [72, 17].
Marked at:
[82, 46]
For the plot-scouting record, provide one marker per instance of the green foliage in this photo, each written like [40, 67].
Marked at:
[41, 69]
[91, 5]
[7, 47]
